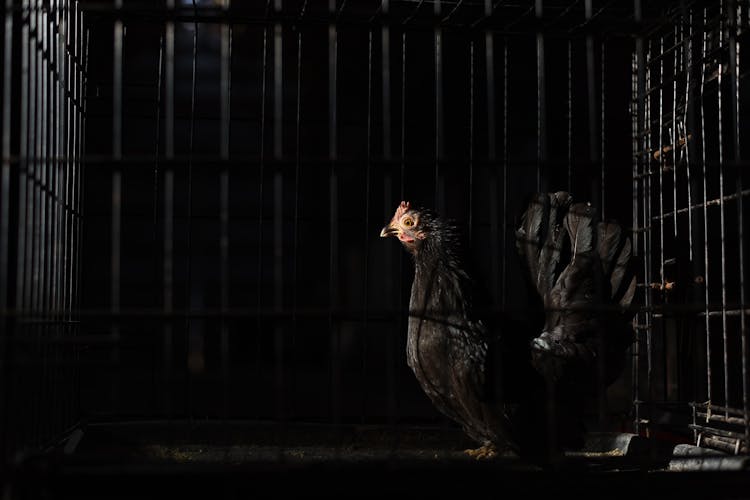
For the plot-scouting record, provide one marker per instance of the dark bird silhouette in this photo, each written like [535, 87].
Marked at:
[510, 386]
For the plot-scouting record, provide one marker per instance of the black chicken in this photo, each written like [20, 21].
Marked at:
[508, 385]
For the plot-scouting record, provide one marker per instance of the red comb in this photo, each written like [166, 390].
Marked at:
[401, 210]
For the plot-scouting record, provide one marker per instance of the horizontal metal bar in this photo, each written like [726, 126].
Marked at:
[34, 338]
[241, 313]
[610, 21]
[717, 408]
[714, 417]
[734, 446]
[252, 312]
[709, 203]
[289, 162]
[717, 432]
[728, 312]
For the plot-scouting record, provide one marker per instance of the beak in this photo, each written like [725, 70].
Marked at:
[388, 230]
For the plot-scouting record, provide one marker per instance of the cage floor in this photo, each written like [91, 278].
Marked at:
[210, 459]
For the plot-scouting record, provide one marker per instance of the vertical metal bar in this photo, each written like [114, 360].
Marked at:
[194, 342]
[157, 158]
[39, 120]
[333, 213]
[32, 205]
[675, 128]
[638, 84]
[541, 102]
[30, 209]
[117, 76]
[70, 137]
[295, 246]
[724, 331]
[23, 166]
[50, 246]
[42, 283]
[402, 180]
[591, 89]
[34, 124]
[45, 229]
[81, 149]
[471, 142]
[225, 137]
[601, 383]
[687, 62]
[734, 72]
[662, 166]
[58, 173]
[439, 147]
[385, 46]
[5, 272]
[602, 124]
[51, 195]
[647, 236]
[71, 104]
[62, 362]
[168, 243]
[261, 180]
[389, 286]
[5, 182]
[366, 226]
[504, 246]
[489, 51]
[495, 251]
[60, 239]
[706, 281]
[570, 116]
[278, 212]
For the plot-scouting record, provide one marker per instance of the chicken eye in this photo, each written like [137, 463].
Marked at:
[408, 222]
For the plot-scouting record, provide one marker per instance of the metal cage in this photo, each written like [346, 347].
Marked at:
[191, 193]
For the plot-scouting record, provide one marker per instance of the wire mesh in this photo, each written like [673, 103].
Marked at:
[689, 154]
[41, 209]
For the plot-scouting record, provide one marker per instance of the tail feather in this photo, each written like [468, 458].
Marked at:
[623, 277]
[578, 223]
[531, 233]
[551, 248]
[539, 240]
[609, 240]
[615, 253]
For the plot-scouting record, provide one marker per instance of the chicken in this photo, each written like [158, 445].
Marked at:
[510, 387]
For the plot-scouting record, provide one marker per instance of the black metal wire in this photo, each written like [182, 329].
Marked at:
[734, 70]
[709, 389]
[366, 239]
[541, 104]
[189, 345]
[5, 216]
[168, 218]
[225, 137]
[722, 220]
[116, 235]
[278, 214]
[261, 181]
[295, 245]
[334, 251]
